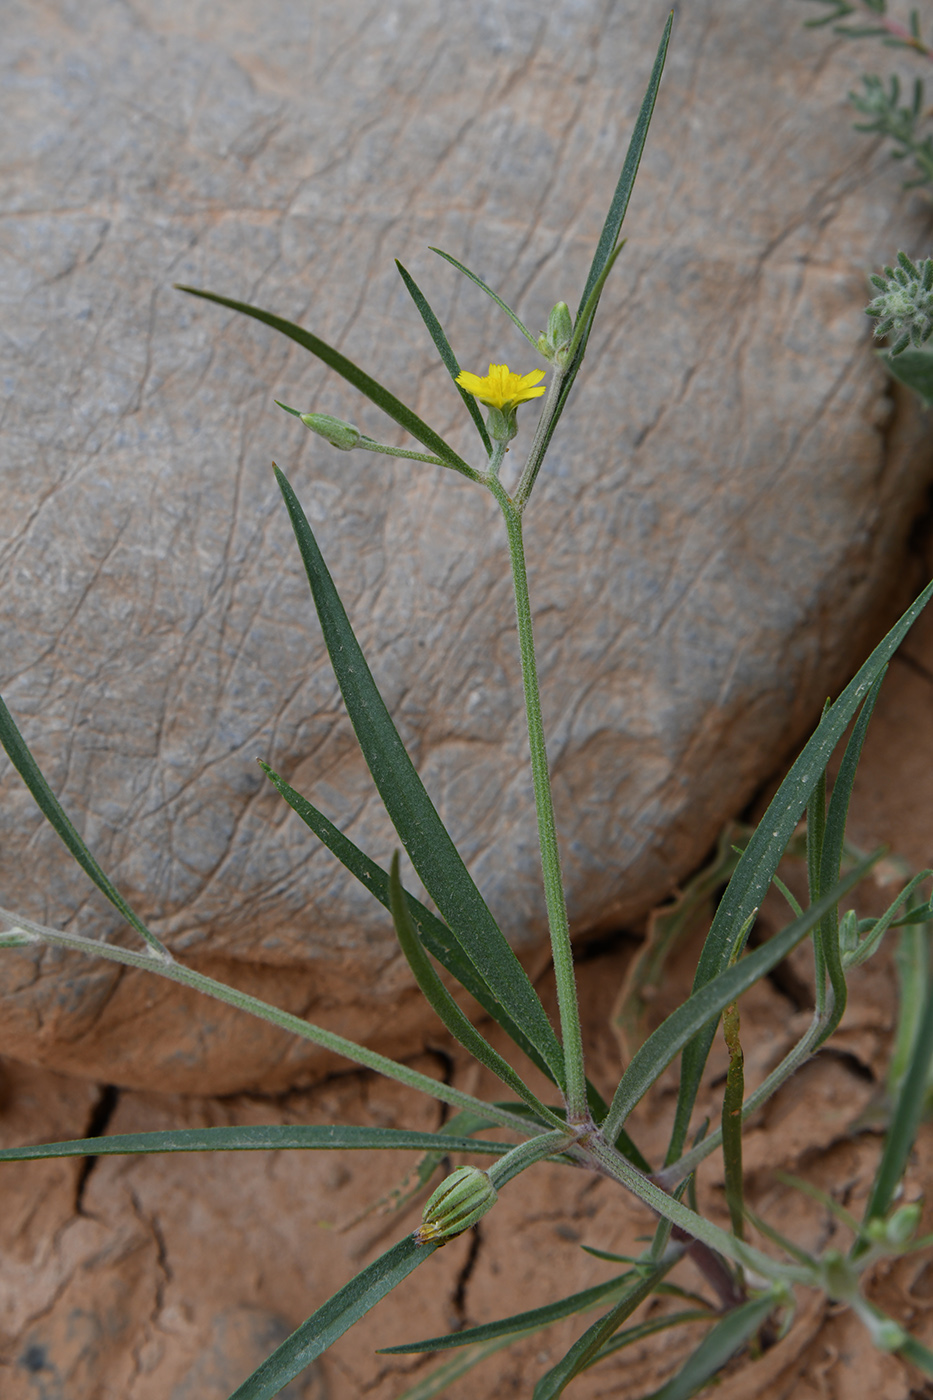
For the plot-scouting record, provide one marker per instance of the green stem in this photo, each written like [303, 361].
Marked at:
[558, 923]
[613, 1164]
[540, 441]
[164, 965]
[525, 1154]
[369, 445]
[669, 1176]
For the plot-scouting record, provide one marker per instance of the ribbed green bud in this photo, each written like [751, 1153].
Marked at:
[335, 430]
[461, 1199]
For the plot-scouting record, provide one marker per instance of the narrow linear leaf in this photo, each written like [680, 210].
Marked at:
[554, 1382]
[720, 1343]
[623, 190]
[339, 1313]
[434, 934]
[411, 810]
[438, 997]
[254, 1138]
[834, 836]
[440, 943]
[489, 292]
[175, 971]
[759, 862]
[704, 1005]
[20, 756]
[921, 1356]
[879, 927]
[648, 1329]
[449, 1371]
[901, 1134]
[376, 392]
[524, 1321]
[442, 345]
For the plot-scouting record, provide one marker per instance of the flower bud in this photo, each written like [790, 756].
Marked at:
[460, 1200]
[335, 430]
[886, 1334]
[848, 933]
[901, 1225]
[559, 332]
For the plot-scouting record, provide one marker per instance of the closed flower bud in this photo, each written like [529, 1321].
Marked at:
[900, 1227]
[461, 1199]
[848, 933]
[559, 333]
[335, 430]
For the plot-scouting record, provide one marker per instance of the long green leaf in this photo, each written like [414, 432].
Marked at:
[340, 1312]
[921, 1356]
[595, 1337]
[606, 251]
[438, 997]
[50, 807]
[623, 190]
[411, 810]
[716, 1348]
[489, 292]
[648, 1329]
[524, 1321]
[252, 1138]
[760, 860]
[442, 345]
[376, 392]
[834, 836]
[444, 1375]
[434, 934]
[704, 1005]
[902, 1132]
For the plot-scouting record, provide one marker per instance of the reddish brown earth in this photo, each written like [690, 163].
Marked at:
[169, 1278]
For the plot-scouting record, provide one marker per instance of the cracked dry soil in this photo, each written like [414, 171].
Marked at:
[171, 1277]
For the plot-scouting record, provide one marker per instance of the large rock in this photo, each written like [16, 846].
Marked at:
[713, 543]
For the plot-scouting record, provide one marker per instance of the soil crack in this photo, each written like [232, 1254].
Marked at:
[100, 1117]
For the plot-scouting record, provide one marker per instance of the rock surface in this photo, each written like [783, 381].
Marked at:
[713, 545]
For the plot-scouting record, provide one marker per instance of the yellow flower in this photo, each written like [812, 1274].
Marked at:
[500, 388]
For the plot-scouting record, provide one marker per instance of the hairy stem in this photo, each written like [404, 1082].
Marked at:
[558, 923]
[25, 931]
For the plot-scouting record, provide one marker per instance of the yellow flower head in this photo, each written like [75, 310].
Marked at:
[502, 389]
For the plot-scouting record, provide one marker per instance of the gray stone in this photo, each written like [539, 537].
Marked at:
[714, 542]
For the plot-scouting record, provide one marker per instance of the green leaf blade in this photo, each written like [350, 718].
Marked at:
[442, 345]
[434, 934]
[446, 1008]
[377, 393]
[762, 855]
[528, 1321]
[411, 810]
[257, 1138]
[503, 306]
[21, 757]
[330, 1321]
[623, 190]
[585, 1348]
[718, 1346]
[705, 1004]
